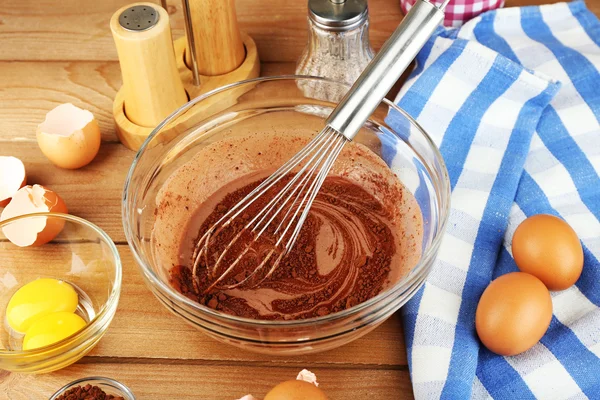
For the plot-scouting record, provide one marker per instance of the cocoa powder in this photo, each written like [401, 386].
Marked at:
[87, 392]
[362, 252]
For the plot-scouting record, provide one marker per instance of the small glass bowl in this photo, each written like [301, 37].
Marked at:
[82, 255]
[282, 104]
[108, 385]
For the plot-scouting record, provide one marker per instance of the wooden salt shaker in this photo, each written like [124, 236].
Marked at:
[152, 88]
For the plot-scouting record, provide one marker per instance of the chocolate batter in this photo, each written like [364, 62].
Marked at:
[342, 257]
[362, 235]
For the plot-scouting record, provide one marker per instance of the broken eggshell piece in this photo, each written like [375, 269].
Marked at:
[69, 136]
[33, 231]
[307, 376]
[12, 178]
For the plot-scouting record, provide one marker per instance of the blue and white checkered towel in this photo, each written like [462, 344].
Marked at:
[513, 101]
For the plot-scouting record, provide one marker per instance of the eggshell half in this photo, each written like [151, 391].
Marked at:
[12, 178]
[295, 390]
[37, 231]
[69, 136]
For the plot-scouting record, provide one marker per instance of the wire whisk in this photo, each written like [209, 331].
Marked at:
[264, 235]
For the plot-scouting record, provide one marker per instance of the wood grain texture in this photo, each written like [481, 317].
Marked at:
[67, 30]
[211, 382]
[28, 90]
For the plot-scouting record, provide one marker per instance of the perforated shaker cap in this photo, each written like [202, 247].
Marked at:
[338, 15]
[139, 18]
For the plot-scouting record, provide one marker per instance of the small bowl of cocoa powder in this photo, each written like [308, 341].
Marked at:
[94, 388]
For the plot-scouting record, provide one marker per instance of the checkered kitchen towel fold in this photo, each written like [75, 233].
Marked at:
[513, 101]
[458, 12]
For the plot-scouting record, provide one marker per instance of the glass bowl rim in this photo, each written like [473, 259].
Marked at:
[91, 327]
[101, 379]
[399, 287]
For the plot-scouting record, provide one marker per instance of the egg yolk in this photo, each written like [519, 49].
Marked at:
[52, 328]
[38, 299]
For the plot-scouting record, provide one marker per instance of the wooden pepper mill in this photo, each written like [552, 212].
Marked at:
[214, 44]
[160, 76]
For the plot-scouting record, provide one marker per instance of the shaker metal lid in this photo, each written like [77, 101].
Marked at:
[139, 18]
[338, 15]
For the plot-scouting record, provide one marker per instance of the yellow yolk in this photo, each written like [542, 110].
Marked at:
[38, 299]
[52, 328]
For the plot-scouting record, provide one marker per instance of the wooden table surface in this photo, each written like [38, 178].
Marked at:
[58, 51]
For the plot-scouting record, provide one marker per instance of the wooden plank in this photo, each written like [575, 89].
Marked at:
[30, 89]
[214, 382]
[66, 30]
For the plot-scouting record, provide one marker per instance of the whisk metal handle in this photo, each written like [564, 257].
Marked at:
[384, 70]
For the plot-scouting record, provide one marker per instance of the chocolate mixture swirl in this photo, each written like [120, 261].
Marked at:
[341, 258]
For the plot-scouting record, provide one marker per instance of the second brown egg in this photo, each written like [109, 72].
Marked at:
[547, 247]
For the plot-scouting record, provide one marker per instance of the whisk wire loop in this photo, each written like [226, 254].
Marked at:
[283, 191]
[298, 188]
[288, 208]
[314, 190]
[235, 211]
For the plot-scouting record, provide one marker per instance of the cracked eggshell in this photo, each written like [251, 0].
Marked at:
[307, 376]
[12, 178]
[36, 231]
[69, 136]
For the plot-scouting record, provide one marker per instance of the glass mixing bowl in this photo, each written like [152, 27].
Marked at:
[81, 255]
[282, 104]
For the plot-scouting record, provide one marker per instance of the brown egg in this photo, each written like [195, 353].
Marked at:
[295, 390]
[513, 313]
[547, 247]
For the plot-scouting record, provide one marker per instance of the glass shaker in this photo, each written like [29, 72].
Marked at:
[338, 40]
